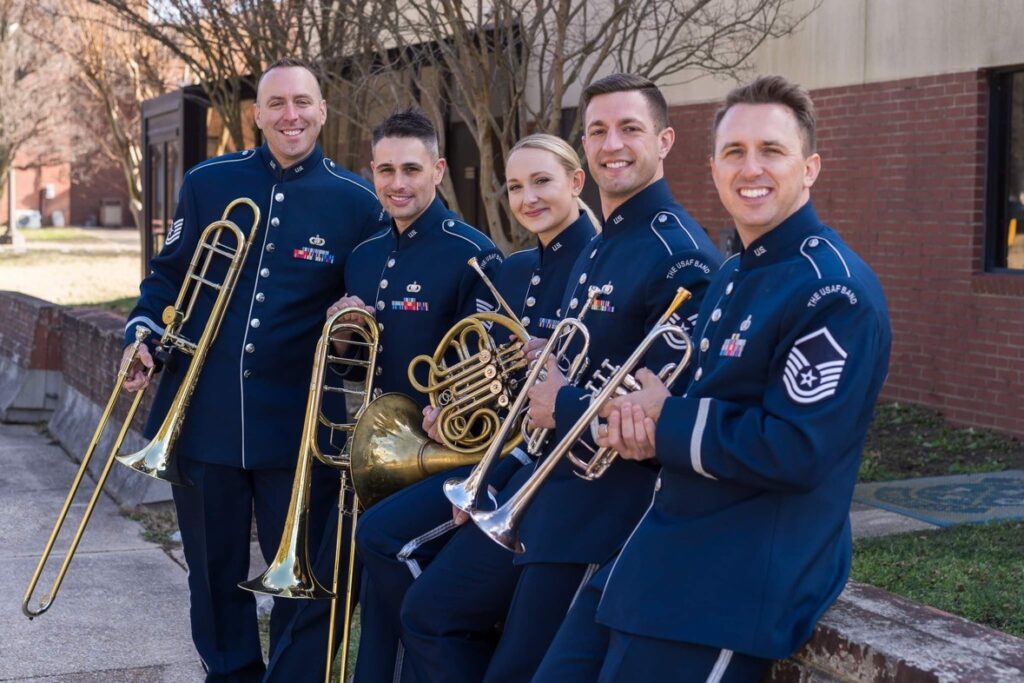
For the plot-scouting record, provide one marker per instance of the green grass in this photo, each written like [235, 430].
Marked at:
[975, 571]
[123, 305]
[353, 646]
[158, 522]
[912, 441]
[57, 235]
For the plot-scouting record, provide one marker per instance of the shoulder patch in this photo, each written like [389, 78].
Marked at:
[690, 262]
[826, 291]
[824, 258]
[175, 232]
[813, 367]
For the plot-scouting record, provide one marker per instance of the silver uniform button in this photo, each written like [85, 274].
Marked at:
[383, 284]
[275, 221]
[699, 373]
[279, 197]
[260, 297]
[380, 348]
[535, 280]
[265, 272]
[728, 288]
[813, 242]
[530, 301]
[526, 320]
[716, 314]
[657, 484]
[583, 278]
[704, 344]
[593, 253]
[380, 305]
[662, 218]
[377, 392]
[378, 370]
[270, 246]
[391, 263]
[250, 347]
[574, 303]
[255, 322]
[380, 326]
[247, 374]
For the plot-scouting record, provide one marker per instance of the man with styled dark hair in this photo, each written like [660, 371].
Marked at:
[413, 277]
[747, 539]
[239, 440]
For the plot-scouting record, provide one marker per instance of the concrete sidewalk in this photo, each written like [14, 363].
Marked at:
[122, 613]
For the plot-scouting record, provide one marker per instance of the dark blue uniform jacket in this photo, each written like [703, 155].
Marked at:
[419, 285]
[249, 402]
[532, 281]
[747, 540]
[647, 248]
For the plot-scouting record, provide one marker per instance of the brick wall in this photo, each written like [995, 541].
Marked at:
[30, 332]
[92, 183]
[903, 173]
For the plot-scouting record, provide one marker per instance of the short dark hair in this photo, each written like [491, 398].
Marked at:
[628, 83]
[408, 123]
[285, 62]
[775, 90]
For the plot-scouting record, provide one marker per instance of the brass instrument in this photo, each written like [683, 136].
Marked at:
[465, 493]
[502, 525]
[209, 246]
[155, 459]
[290, 573]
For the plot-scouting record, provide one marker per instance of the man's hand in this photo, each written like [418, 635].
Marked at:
[349, 302]
[629, 431]
[137, 376]
[650, 398]
[430, 414]
[542, 396]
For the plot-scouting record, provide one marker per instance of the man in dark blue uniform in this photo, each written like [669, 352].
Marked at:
[747, 539]
[413, 277]
[648, 247]
[239, 441]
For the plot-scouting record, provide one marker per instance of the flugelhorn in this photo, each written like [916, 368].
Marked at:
[502, 525]
[290, 573]
[208, 247]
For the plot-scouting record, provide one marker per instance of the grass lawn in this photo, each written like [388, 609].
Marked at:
[58, 235]
[122, 305]
[975, 571]
[912, 441]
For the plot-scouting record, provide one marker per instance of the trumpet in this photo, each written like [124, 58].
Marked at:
[154, 459]
[502, 525]
[290, 573]
[465, 493]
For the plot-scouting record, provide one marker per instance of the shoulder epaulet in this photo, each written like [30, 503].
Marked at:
[673, 239]
[347, 176]
[825, 258]
[375, 236]
[465, 231]
[229, 158]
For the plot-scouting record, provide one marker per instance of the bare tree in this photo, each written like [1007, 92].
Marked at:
[29, 104]
[511, 67]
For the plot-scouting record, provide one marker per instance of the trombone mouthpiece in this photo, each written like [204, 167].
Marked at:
[682, 294]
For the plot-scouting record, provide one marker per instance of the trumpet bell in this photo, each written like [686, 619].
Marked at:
[391, 451]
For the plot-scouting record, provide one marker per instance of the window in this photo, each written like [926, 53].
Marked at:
[1004, 243]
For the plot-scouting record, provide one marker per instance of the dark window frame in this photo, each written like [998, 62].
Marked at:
[997, 167]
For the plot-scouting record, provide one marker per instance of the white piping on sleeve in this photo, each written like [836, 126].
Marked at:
[698, 435]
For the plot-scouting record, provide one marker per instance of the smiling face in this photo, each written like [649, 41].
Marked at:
[405, 176]
[625, 150]
[759, 167]
[290, 111]
[542, 192]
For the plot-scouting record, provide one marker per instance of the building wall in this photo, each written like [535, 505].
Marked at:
[94, 181]
[902, 180]
[79, 189]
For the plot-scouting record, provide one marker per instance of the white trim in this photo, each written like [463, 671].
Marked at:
[697, 436]
[399, 662]
[832, 247]
[521, 456]
[611, 572]
[383, 233]
[325, 161]
[521, 251]
[587, 575]
[718, 670]
[444, 228]
[146, 321]
[685, 229]
[248, 317]
[736, 255]
[215, 162]
[410, 547]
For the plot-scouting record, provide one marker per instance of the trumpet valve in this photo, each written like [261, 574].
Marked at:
[607, 365]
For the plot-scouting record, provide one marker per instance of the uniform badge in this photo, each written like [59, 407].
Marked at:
[413, 288]
[745, 325]
[410, 303]
[317, 241]
[547, 323]
[733, 346]
[311, 254]
[814, 366]
[674, 341]
[175, 232]
[602, 305]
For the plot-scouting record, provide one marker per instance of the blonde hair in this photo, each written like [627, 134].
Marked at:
[566, 156]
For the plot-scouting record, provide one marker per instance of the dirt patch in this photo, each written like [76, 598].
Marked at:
[71, 278]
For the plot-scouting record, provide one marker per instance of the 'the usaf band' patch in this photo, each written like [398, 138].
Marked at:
[813, 367]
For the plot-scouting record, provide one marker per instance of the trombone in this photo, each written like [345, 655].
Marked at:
[290, 573]
[502, 525]
[174, 317]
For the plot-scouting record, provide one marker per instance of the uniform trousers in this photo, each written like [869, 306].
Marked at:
[301, 651]
[585, 651]
[450, 614]
[215, 518]
[395, 540]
